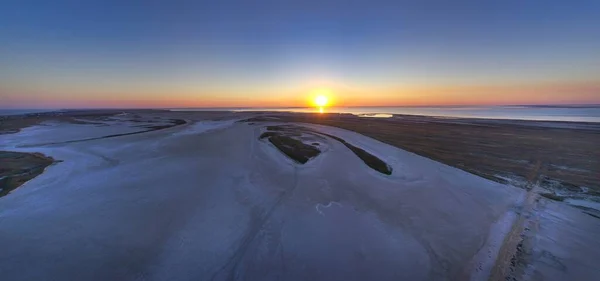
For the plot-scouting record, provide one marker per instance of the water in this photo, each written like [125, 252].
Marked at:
[537, 113]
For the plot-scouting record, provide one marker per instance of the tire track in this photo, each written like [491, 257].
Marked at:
[176, 122]
[512, 248]
[252, 233]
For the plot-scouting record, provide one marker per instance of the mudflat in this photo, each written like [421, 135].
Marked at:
[161, 195]
[562, 156]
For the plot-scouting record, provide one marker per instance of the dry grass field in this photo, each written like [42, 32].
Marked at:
[561, 158]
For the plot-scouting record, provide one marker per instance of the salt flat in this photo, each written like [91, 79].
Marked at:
[209, 200]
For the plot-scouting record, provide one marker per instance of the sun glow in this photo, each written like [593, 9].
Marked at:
[321, 101]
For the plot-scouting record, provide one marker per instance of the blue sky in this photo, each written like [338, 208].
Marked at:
[82, 53]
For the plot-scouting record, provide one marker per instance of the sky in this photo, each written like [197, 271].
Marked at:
[171, 54]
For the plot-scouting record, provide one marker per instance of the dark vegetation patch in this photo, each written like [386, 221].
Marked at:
[258, 119]
[553, 196]
[593, 192]
[268, 134]
[277, 128]
[484, 147]
[557, 184]
[301, 152]
[586, 209]
[593, 215]
[369, 159]
[293, 148]
[17, 168]
[174, 122]
[14, 123]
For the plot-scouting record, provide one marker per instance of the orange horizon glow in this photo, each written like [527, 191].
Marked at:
[280, 55]
[565, 93]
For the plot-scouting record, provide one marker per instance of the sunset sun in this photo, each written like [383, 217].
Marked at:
[321, 100]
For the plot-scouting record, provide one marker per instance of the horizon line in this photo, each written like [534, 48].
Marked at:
[581, 105]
